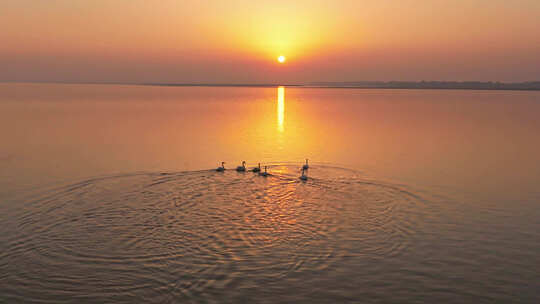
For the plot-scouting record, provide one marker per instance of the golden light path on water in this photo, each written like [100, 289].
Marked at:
[280, 108]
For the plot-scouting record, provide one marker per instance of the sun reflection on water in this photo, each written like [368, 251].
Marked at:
[280, 108]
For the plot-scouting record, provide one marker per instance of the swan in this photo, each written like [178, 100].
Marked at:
[306, 166]
[222, 168]
[257, 169]
[304, 176]
[264, 174]
[241, 168]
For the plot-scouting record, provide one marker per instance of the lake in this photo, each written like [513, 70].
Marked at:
[108, 193]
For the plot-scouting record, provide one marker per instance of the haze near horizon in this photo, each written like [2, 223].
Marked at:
[240, 41]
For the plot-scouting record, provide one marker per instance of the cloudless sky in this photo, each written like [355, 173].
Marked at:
[238, 41]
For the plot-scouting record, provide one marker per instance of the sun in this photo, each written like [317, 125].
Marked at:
[281, 59]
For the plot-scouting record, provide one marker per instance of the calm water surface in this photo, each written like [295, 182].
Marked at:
[107, 194]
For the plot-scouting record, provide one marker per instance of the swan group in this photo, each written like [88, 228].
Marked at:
[257, 169]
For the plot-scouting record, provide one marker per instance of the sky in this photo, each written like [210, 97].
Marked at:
[238, 41]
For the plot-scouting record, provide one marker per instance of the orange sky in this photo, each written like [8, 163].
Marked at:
[238, 41]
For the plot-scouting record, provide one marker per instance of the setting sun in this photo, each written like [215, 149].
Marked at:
[281, 59]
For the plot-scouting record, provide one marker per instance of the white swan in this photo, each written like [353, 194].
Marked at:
[222, 168]
[306, 166]
[241, 168]
[264, 174]
[257, 169]
[304, 176]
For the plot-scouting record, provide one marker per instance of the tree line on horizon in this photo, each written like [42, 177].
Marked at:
[488, 85]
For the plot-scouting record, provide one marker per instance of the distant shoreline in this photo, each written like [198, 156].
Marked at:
[434, 85]
[391, 85]
[422, 85]
[256, 85]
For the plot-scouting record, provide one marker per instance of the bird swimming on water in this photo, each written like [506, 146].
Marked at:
[222, 168]
[303, 176]
[257, 169]
[264, 174]
[306, 166]
[241, 168]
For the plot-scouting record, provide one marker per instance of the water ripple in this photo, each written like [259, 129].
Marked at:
[202, 235]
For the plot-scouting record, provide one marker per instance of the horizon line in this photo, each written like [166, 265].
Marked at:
[394, 84]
